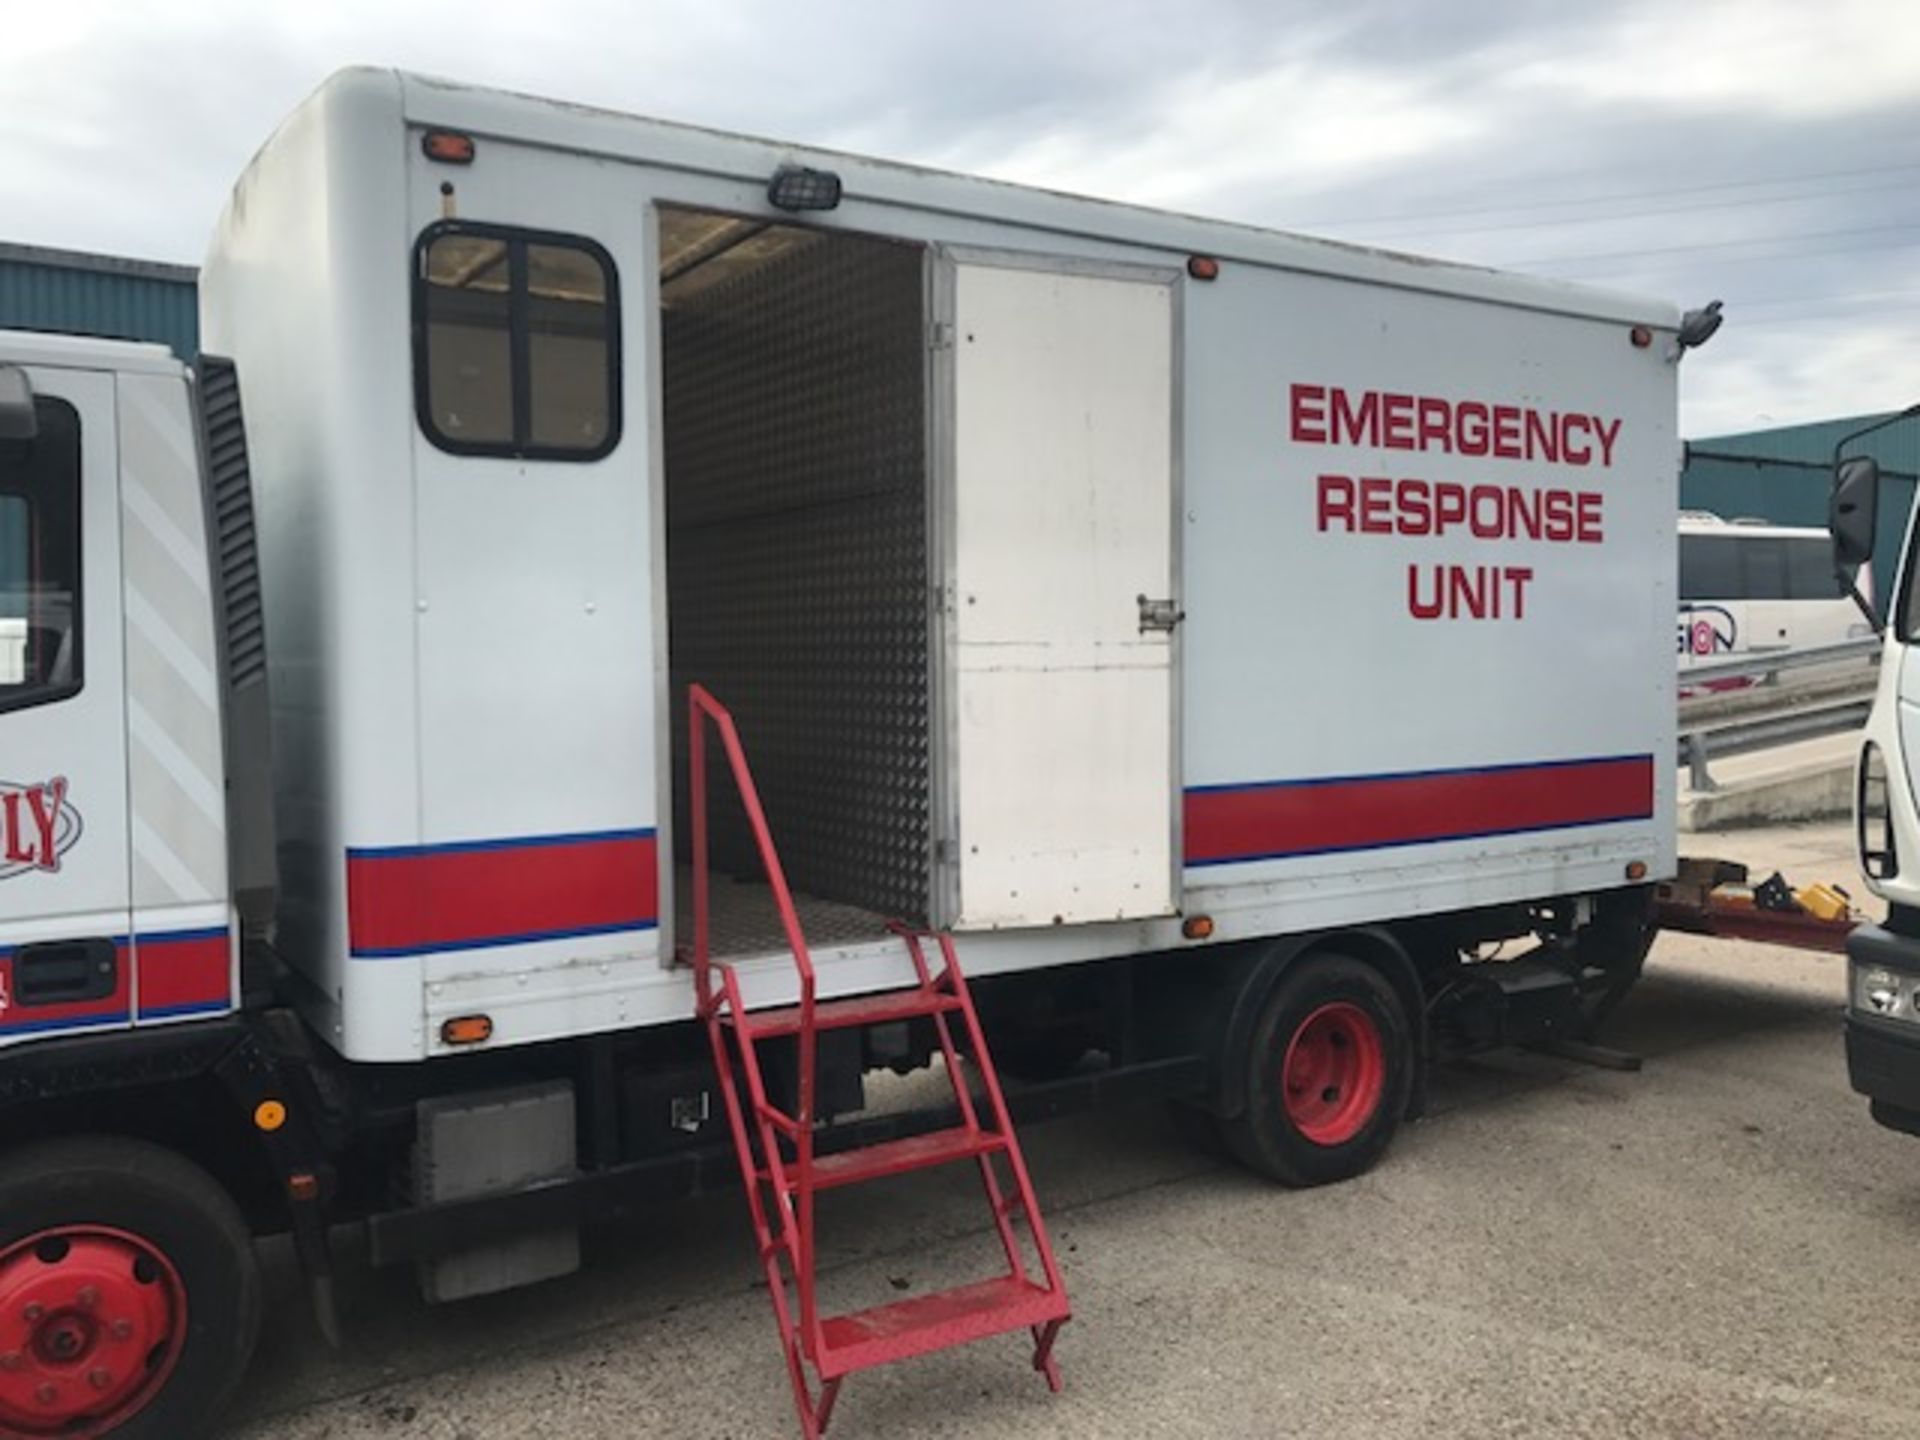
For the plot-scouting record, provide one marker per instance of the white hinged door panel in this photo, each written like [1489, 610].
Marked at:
[1061, 598]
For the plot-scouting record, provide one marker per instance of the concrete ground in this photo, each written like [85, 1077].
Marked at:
[1720, 1245]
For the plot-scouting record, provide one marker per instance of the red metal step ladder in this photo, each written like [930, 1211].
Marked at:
[775, 1148]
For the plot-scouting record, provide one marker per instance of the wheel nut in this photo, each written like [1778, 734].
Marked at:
[47, 1392]
[121, 1329]
[11, 1360]
[33, 1314]
[99, 1378]
[88, 1297]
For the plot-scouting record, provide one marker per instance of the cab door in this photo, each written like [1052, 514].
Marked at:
[64, 860]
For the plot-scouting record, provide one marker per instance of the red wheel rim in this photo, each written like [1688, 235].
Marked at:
[92, 1321]
[1334, 1073]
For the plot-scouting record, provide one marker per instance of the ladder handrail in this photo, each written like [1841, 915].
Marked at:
[703, 709]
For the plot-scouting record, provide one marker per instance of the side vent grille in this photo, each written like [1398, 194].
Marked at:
[231, 494]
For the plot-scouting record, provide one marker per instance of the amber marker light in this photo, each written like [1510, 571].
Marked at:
[467, 1029]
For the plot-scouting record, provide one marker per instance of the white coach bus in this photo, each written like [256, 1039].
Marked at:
[1749, 586]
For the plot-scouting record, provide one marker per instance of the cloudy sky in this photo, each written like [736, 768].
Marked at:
[1765, 152]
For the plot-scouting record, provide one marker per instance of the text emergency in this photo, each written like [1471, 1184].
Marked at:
[1410, 506]
[37, 826]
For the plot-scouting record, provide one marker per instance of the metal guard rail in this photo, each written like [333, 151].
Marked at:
[1758, 663]
[1780, 727]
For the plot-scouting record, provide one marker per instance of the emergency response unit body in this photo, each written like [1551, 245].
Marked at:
[1207, 639]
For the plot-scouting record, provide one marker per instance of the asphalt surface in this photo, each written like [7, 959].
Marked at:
[1722, 1244]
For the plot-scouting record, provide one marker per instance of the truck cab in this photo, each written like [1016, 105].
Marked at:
[1883, 960]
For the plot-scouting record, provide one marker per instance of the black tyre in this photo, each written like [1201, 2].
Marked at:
[1328, 1074]
[129, 1292]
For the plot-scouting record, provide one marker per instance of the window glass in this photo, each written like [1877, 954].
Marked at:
[469, 360]
[1764, 567]
[1810, 569]
[520, 344]
[1709, 568]
[40, 657]
[569, 379]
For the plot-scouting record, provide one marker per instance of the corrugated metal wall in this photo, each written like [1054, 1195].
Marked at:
[1784, 475]
[64, 290]
[794, 409]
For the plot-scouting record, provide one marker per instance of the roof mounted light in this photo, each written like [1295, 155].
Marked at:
[794, 187]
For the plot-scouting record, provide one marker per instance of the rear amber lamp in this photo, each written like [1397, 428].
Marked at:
[467, 1029]
[1203, 267]
[1197, 927]
[269, 1115]
[1636, 870]
[448, 147]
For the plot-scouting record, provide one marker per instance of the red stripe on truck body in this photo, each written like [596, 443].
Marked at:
[418, 900]
[1232, 824]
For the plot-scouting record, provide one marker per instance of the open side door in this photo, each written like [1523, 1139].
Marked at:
[1056, 393]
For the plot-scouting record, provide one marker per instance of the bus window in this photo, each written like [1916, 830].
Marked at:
[1763, 567]
[1709, 568]
[1810, 569]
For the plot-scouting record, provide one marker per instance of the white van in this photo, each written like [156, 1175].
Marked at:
[1748, 586]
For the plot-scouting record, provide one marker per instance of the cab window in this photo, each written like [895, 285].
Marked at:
[40, 631]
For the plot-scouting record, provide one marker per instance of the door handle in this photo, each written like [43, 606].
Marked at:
[63, 971]
[1159, 615]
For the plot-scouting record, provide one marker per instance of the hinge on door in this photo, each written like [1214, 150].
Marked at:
[940, 335]
[946, 851]
[1161, 615]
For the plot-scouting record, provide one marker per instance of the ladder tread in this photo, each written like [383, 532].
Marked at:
[880, 1009]
[935, 1321]
[898, 1157]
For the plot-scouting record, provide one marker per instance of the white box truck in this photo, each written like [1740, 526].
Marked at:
[1249, 656]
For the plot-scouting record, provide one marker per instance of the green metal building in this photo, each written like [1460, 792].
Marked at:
[1784, 476]
[80, 294]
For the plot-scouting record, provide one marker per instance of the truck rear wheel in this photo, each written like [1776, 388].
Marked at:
[129, 1292]
[1328, 1075]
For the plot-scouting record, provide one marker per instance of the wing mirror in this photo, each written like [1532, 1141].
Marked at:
[17, 418]
[1852, 515]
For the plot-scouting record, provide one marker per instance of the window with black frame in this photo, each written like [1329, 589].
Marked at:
[516, 343]
[40, 633]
